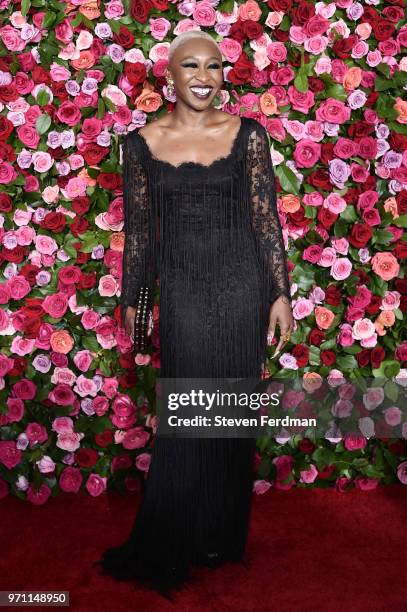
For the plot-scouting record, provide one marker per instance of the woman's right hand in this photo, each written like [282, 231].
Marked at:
[129, 321]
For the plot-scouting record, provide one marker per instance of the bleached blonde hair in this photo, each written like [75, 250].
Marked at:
[185, 36]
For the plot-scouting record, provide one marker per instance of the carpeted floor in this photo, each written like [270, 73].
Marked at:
[309, 549]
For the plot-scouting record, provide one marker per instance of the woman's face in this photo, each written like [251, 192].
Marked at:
[196, 64]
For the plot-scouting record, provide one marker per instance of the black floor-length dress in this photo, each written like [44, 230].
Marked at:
[211, 234]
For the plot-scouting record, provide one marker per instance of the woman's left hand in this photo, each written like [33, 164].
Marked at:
[281, 314]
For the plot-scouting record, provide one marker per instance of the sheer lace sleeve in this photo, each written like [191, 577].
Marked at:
[138, 255]
[264, 214]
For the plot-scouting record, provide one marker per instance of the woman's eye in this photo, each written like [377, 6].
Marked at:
[193, 65]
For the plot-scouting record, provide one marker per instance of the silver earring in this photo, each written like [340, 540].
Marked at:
[170, 87]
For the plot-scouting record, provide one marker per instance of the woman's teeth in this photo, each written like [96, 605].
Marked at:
[201, 92]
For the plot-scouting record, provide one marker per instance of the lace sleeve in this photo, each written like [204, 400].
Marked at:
[264, 215]
[138, 258]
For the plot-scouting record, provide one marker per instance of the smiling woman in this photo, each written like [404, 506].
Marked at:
[205, 180]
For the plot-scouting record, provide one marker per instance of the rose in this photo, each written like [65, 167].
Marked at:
[354, 441]
[385, 265]
[70, 480]
[360, 235]
[324, 317]
[261, 486]
[95, 485]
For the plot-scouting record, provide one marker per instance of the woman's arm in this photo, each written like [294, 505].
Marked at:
[267, 229]
[138, 259]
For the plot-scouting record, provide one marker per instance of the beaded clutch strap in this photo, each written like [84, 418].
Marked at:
[143, 319]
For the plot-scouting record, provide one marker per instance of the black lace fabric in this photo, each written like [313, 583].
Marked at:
[211, 235]
[266, 223]
[138, 267]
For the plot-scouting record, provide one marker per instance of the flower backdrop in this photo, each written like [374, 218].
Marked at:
[328, 82]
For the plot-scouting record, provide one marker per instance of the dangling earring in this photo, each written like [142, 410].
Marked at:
[170, 86]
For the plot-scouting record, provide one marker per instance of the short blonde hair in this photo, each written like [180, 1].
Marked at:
[185, 36]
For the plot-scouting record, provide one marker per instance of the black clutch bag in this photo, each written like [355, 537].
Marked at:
[143, 319]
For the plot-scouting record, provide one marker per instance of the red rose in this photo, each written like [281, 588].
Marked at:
[109, 180]
[139, 10]
[398, 448]
[6, 127]
[343, 47]
[400, 285]
[326, 217]
[397, 142]
[302, 13]
[376, 356]
[333, 295]
[401, 199]
[401, 250]
[306, 446]
[301, 353]
[6, 203]
[382, 29]
[360, 235]
[320, 179]
[252, 29]
[316, 337]
[86, 457]
[105, 438]
[136, 73]
[81, 205]
[88, 280]
[363, 357]
[160, 5]
[403, 303]
[328, 357]
[93, 154]
[359, 129]
[327, 152]
[54, 222]
[326, 472]
[283, 6]
[124, 38]
[79, 226]
[374, 305]
[242, 70]
[367, 147]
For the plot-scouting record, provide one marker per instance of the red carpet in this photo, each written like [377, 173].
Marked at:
[309, 549]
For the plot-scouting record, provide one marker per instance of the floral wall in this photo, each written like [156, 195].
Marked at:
[328, 81]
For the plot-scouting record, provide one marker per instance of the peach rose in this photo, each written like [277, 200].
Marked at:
[85, 60]
[390, 205]
[61, 342]
[250, 10]
[385, 265]
[352, 78]
[323, 317]
[387, 318]
[117, 242]
[148, 101]
[401, 108]
[268, 103]
[290, 203]
[311, 381]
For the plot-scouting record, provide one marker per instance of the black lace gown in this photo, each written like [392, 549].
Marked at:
[211, 234]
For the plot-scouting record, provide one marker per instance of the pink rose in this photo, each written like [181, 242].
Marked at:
[159, 27]
[309, 475]
[143, 462]
[345, 337]
[69, 441]
[307, 153]
[83, 360]
[136, 437]
[341, 268]
[24, 389]
[402, 472]
[364, 483]
[261, 486]
[18, 287]
[10, 455]
[55, 305]
[204, 14]
[70, 480]
[90, 318]
[391, 301]
[96, 485]
[38, 497]
[45, 244]
[302, 308]
[392, 416]
[62, 424]
[312, 253]
[327, 258]
[100, 405]
[36, 433]
[354, 441]
[15, 410]
[301, 101]
[333, 111]
[363, 329]
[108, 286]
[231, 49]
[85, 386]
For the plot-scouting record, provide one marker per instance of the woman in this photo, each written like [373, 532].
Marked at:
[200, 214]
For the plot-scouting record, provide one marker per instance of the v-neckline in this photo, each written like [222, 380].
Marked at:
[193, 164]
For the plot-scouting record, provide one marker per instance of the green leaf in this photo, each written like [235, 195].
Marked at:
[346, 362]
[42, 123]
[401, 221]
[25, 7]
[349, 214]
[288, 181]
